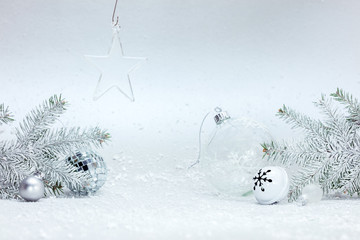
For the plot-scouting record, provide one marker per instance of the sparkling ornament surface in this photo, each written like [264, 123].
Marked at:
[93, 165]
[311, 193]
[270, 185]
[233, 153]
[32, 188]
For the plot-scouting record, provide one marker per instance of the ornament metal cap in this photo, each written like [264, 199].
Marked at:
[39, 175]
[220, 117]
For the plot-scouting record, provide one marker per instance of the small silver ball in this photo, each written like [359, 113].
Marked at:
[31, 189]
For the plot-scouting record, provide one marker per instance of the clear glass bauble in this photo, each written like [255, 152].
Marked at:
[311, 193]
[232, 154]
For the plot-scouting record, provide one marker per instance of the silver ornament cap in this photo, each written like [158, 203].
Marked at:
[32, 189]
[220, 116]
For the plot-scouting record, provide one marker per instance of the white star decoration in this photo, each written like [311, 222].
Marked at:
[115, 69]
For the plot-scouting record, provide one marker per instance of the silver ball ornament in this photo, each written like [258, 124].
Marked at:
[94, 166]
[32, 189]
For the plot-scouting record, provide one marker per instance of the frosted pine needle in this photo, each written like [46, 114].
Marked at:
[330, 152]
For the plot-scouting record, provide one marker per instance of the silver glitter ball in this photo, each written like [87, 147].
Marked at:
[92, 164]
[31, 189]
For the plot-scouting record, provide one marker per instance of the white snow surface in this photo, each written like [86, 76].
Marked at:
[140, 203]
[249, 57]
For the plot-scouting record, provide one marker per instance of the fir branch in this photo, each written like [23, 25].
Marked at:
[38, 148]
[293, 154]
[335, 123]
[15, 163]
[72, 139]
[351, 104]
[58, 170]
[343, 168]
[330, 154]
[5, 115]
[350, 181]
[53, 189]
[37, 122]
[297, 120]
[9, 193]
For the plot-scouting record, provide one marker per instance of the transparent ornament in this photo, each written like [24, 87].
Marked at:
[233, 153]
[312, 193]
[115, 69]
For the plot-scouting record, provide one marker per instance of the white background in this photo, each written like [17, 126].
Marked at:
[249, 57]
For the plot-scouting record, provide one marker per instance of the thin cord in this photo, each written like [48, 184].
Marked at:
[115, 23]
[200, 130]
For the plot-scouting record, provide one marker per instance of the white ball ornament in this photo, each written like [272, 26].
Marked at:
[271, 185]
[32, 188]
[312, 193]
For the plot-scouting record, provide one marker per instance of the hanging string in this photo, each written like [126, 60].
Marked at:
[200, 130]
[218, 110]
[115, 22]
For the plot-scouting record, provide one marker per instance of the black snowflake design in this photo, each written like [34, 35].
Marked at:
[260, 179]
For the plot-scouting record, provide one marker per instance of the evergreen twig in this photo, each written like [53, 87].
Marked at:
[330, 153]
[5, 115]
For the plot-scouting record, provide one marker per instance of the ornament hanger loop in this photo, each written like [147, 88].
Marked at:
[218, 109]
[115, 22]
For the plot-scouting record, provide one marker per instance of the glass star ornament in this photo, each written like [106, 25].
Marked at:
[115, 69]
